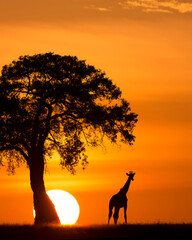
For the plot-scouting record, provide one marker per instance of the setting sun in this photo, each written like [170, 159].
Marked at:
[66, 206]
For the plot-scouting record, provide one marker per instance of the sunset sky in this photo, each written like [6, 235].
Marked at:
[145, 47]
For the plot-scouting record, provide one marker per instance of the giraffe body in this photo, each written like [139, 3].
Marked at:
[119, 200]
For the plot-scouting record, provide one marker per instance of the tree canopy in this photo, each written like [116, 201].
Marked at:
[59, 103]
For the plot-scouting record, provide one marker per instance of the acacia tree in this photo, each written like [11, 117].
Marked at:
[57, 103]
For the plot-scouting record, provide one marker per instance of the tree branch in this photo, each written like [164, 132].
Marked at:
[36, 124]
[47, 127]
[53, 139]
[17, 148]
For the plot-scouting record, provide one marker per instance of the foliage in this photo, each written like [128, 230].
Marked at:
[58, 103]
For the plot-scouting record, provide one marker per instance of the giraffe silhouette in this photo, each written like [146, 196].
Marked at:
[119, 200]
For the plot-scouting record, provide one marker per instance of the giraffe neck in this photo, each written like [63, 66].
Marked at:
[125, 188]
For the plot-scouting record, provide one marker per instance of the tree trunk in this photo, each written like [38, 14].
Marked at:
[44, 208]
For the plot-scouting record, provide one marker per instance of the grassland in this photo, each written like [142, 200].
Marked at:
[135, 231]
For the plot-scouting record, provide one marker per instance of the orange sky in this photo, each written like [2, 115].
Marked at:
[145, 47]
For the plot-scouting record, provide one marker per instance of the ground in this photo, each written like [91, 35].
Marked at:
[135, 231]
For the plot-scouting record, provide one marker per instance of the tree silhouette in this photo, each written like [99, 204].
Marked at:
[57, 103]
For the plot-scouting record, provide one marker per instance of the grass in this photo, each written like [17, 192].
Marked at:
[134, 231]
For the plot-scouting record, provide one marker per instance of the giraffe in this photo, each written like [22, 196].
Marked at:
[119, 200]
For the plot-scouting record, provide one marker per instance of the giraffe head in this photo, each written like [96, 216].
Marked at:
[131, 175]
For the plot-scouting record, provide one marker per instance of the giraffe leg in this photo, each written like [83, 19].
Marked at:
[116, 215]
[125, 213]
[110, 212]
